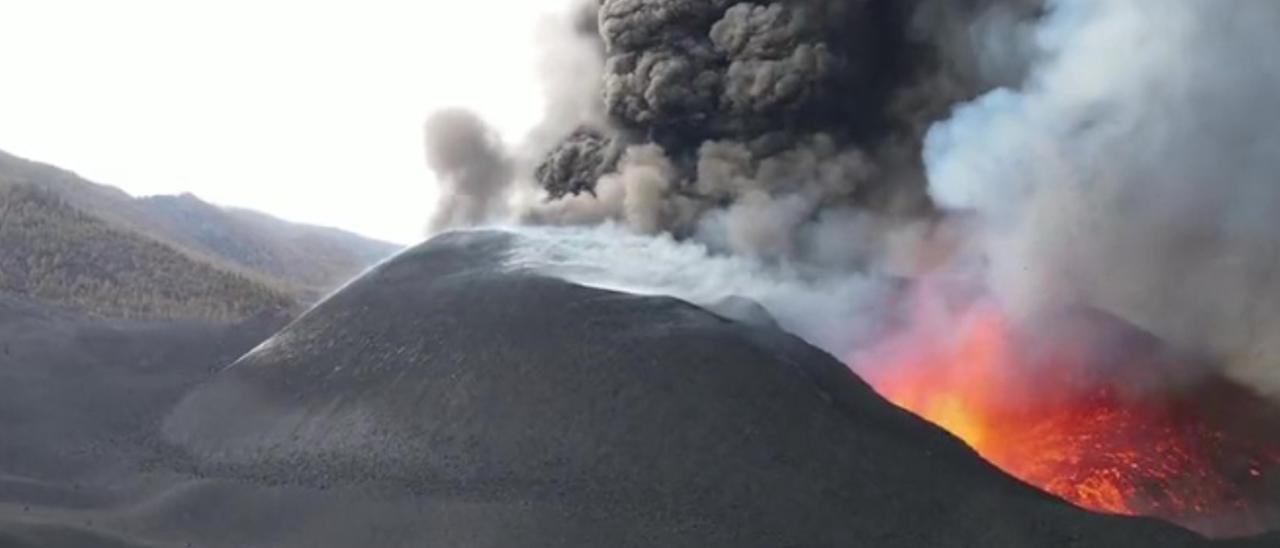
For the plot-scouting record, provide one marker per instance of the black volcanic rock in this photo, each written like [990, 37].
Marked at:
[513, 409]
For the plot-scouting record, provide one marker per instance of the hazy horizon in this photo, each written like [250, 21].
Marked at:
[251, 105]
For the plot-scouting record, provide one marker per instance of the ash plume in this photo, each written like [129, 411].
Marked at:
[472, 167]
[764, 120]
[1135, 171]
[769, 122]
[784, 131]
[571, 70]
[574, 166]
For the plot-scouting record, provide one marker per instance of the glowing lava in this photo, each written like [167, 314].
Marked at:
[1054, 417]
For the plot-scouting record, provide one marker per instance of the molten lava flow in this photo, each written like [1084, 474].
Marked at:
[1049, 417]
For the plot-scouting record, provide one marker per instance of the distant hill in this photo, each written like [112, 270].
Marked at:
[308, 260]
[73, 242]
[59, 254]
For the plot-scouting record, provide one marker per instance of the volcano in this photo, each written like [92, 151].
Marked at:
[450, 397]
[550, 414]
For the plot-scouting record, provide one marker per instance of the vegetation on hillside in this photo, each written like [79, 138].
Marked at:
[55, 252]
[306, 261]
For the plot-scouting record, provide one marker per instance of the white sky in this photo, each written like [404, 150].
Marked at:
[310, 110]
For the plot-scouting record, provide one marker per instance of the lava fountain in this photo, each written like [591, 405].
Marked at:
[1095, 413]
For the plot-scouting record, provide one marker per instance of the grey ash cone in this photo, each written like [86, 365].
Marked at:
[561, 415]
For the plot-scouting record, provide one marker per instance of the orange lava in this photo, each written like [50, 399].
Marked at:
[1047, 417]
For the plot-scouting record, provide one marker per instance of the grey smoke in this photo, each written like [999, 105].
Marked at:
[717, 67]
[764, 85]
[637, 195]
[571, 70]
[472, 168]
[763, 112]
[1136, 170]
[748, 125]
[754, 30]
[772, 202]
[754, 127]
[574, 165]
[735, 201]
[981, 42]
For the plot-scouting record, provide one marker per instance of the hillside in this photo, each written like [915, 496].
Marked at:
[307, 259]
[94, 247]
[58, 254]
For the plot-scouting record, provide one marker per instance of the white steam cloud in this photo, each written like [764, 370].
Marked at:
[833, 310]
[1137, 170]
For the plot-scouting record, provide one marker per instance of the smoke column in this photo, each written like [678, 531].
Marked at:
[758, 128]
[1135, 170]
[472, 167]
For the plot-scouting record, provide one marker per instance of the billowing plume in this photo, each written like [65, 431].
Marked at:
[1135, 171]
[574, 166]
[752, 126]
[472, 167]
[766, 129]
[571, 69]
[636, 195]
[773, 121]
[720, 68]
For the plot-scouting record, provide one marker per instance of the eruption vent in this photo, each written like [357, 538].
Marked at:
[1105, 421]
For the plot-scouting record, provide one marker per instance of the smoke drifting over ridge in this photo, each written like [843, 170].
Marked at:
[473, 167]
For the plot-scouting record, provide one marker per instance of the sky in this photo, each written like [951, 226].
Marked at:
[310, 110]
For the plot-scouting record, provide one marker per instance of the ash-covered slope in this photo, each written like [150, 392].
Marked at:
[80, 396]
[81, 400]
[520, 410]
